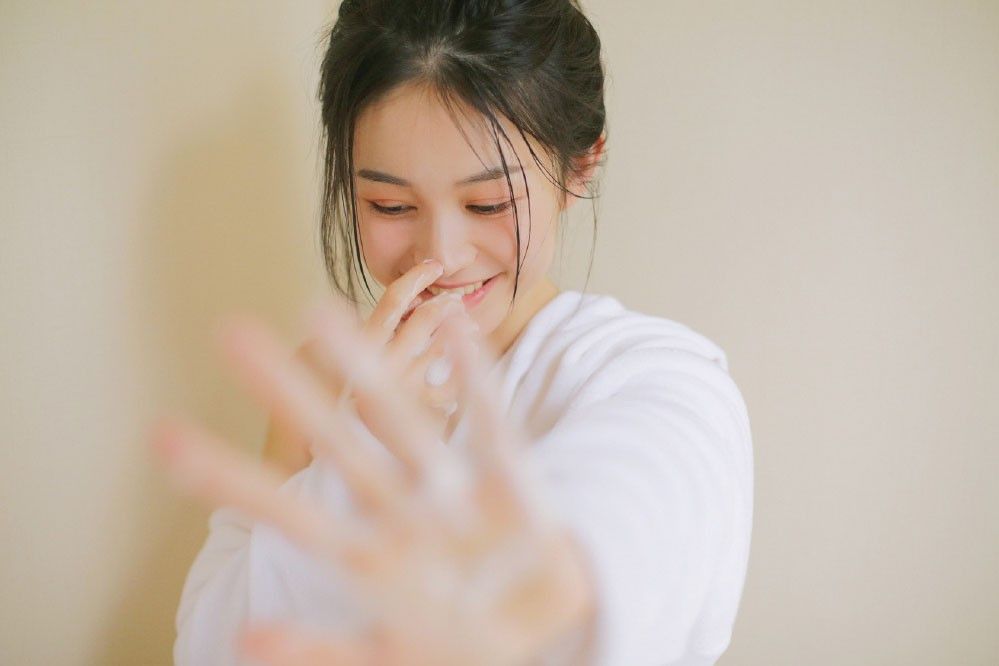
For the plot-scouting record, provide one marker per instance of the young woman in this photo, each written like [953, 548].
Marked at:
[486, 469]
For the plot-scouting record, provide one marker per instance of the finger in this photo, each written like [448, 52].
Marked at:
[429, 378]
[413, 335]
[309, 354]
[493, 440]
[471, 369]
[439, 397]
[395, 417]
[433, 366]
[294, 397]
[286, 645]
[398, 299]
[292, 646]
[207, 469]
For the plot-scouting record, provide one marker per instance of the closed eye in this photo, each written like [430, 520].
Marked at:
[388, 210]
[495, 209]
[491, 210]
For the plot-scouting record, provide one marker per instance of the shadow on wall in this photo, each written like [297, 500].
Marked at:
[227, 227]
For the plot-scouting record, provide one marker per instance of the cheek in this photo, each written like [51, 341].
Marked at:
[385, 246]
[541, 230]
[531, 225]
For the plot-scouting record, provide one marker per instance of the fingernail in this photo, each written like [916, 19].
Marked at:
[438, 269]
[415, 302]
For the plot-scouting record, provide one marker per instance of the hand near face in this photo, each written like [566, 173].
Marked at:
[405, 322]
[451, 548]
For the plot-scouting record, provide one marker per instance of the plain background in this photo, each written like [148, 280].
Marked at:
[814, 185]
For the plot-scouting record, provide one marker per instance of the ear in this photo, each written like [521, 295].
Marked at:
[588, 167]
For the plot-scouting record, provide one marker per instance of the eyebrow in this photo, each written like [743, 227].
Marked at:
[494, 173]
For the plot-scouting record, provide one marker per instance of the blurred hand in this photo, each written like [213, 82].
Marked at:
[452, 549]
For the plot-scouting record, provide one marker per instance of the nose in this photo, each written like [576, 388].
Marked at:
[445, 239]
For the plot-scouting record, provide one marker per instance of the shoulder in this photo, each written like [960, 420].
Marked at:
[594, 333]
[641, 439]
[605, 323]
[582, 349]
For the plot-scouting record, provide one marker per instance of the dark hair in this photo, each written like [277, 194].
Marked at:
[535, 62]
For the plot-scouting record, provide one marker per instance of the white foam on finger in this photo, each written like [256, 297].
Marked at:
[438, 371]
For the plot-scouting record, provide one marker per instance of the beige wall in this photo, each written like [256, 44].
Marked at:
[815, 185]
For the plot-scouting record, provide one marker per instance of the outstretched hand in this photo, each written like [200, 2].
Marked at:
[452, 549]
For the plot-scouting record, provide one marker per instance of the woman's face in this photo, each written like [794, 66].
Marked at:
[423, 194]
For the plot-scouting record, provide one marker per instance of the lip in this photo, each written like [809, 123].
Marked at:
[468, 300]
[472, 299]
[456, 285]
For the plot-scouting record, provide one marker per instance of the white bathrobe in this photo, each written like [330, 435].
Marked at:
[642, 442]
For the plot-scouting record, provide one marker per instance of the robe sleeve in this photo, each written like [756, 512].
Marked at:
[215, 598]
[650, 469]
[249, 572]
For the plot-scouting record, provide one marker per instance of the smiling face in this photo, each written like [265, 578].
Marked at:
[423, 194]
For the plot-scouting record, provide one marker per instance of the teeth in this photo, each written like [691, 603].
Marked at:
[457, 290]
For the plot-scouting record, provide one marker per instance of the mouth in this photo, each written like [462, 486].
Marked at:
[472, 293]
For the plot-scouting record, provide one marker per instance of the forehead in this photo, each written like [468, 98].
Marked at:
[411, 133]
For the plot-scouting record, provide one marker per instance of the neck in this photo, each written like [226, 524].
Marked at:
[527, 305]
